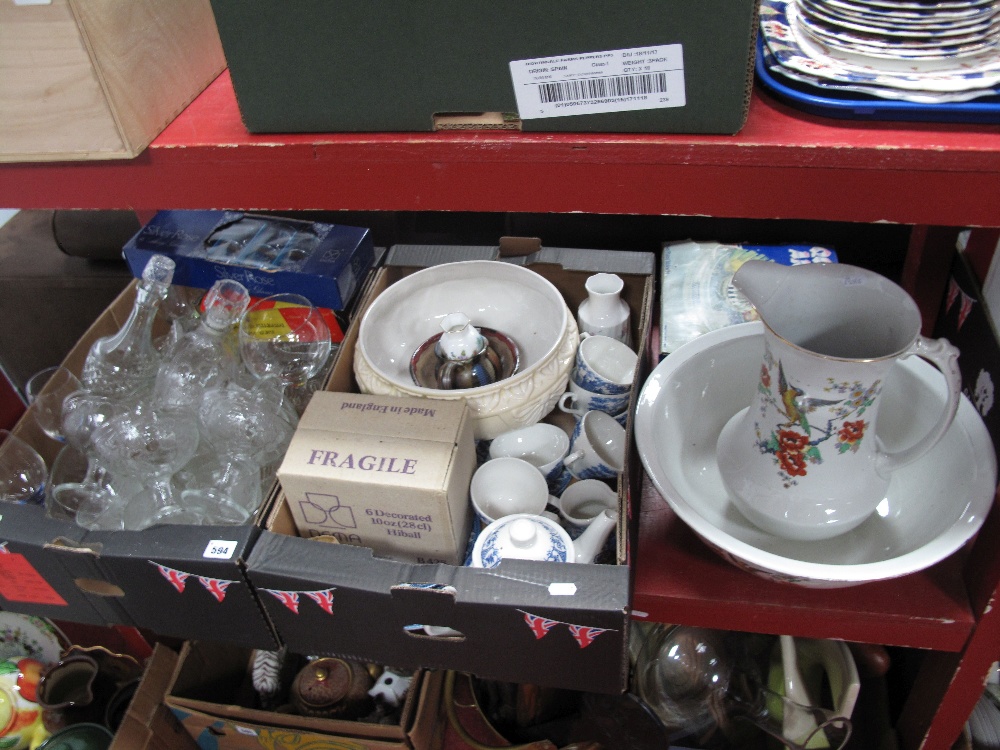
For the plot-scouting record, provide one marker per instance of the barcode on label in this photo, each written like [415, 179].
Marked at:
[603, 88]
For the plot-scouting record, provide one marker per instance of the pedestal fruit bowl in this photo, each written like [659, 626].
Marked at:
[511, 299]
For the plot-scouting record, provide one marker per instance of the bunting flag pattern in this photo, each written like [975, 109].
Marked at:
[289, 598]
[177, 578]
[322, 597]
[584, 635]
[216, 586]
[964, 309]
[965, 301]
[952, 294]
[540, 626]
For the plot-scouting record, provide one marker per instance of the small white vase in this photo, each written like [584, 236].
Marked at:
[604, 312]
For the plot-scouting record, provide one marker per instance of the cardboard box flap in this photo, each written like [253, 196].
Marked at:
[403, 420]
[59, 576]
[570, 586]
[585, 601]
[421, 256]
[593, 261]
[166, 569]
[148, 723]
[526, 251]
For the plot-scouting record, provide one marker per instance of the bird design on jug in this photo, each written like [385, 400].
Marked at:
[802, 423]
[796, 406]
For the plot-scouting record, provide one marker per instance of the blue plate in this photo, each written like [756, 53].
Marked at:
[814, 100]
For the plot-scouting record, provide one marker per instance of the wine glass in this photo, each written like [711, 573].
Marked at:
[150, 445]
[22, 471]
[46, 392]
[71, 495]
[246, 428]
[225, 490]
[284, 335]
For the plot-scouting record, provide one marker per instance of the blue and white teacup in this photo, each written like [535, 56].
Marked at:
[604, 365]
[578, 401]
[601, 441]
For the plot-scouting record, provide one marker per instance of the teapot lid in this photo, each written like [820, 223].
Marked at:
[522, 536]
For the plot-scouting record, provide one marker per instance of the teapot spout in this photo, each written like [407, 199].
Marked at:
[587, 546]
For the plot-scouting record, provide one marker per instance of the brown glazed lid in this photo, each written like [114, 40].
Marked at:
[323, 683]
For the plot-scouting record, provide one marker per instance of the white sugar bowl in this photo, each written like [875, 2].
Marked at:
[523, 536]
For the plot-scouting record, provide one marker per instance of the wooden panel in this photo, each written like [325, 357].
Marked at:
[152, 58]
[99, 79]
[50, 98]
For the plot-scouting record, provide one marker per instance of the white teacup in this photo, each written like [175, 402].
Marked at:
[604, 365]
[505, 486]
[601, 439]
[578, 401]
[542, 445]
[583, 501]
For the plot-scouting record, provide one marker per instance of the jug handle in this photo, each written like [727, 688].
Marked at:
[944, 356]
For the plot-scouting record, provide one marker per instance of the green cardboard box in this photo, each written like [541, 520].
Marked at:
[663, 66]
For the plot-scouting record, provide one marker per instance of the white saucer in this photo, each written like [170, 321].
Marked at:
[933, 506]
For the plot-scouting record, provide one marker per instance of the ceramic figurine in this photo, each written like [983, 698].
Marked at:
[265, 673]
[604, 312]
[391, 686]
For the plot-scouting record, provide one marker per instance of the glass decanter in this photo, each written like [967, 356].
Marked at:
[180, 308]
[207, 355]
[127, 362]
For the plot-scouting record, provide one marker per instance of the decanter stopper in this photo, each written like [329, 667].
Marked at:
[225, 304]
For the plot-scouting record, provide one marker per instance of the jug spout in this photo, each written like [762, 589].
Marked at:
[589, 544]
[761, 281]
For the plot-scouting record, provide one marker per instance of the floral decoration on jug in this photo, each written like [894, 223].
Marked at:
[795, 442]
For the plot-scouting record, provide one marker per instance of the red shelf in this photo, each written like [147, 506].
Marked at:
[784, 164]
[680, 579]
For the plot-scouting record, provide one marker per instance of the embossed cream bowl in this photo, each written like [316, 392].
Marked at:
[508, 298]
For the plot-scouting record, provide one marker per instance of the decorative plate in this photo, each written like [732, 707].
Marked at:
[27, 635]
[795, 50]
[823, 87]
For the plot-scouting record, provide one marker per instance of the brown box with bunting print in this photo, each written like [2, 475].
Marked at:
[179, 581]
[562, 620]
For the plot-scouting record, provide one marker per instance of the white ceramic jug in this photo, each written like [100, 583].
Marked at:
[604, 312]
[803, 461]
